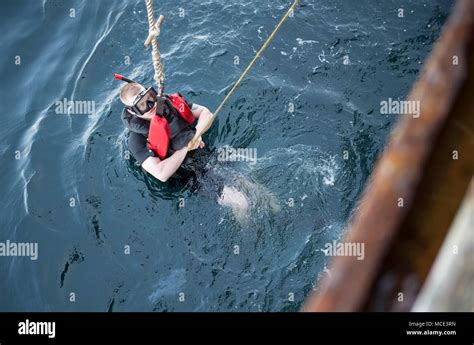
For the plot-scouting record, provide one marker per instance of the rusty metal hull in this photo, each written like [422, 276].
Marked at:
[416, 186]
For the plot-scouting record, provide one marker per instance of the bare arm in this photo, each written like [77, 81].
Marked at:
[202, 114]
[164, 169]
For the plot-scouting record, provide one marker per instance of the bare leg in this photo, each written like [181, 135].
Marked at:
[237, 201]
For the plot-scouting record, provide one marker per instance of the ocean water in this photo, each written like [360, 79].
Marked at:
[109, 237]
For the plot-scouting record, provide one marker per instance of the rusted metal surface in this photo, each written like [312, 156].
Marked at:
[416, 187]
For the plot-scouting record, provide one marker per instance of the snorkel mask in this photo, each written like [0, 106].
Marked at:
[144, 102]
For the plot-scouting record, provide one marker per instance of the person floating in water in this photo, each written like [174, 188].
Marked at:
[160, 128]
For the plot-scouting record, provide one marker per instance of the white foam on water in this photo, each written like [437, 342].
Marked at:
[259, 30]
[303, 42]
[302, 162]
[169, 285]
[256, 192]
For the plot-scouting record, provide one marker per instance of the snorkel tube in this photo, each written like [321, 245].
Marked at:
[122, 78]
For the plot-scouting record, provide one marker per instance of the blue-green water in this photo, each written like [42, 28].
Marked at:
[66, 185]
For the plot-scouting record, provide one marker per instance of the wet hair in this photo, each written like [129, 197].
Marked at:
[129, 92]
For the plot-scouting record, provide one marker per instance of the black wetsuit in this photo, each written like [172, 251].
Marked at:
[137, 139]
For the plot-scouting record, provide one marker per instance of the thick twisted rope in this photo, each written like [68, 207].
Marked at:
[154, 31]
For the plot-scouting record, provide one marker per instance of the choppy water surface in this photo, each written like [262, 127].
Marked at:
[72, 191]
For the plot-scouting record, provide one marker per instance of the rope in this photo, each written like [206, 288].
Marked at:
[154, 31]
[192, 143]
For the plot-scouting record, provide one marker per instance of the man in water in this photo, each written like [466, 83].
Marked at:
[138, 121]
[142, 106]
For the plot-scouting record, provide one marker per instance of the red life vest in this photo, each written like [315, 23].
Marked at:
[159, 133]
